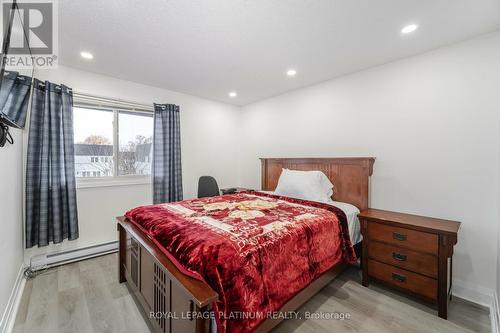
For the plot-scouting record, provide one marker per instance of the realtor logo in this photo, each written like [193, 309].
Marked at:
[33, 40]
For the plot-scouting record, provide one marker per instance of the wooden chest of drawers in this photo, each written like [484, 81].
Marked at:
[409, 252]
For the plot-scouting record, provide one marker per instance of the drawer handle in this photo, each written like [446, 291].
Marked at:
[398, 236]
[398, 277]
[399, 256]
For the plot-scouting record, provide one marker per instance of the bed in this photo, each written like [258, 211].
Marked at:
[351, 213]
[257, 254]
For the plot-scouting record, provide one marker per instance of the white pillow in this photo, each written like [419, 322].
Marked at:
[326, 184]
[307, 185]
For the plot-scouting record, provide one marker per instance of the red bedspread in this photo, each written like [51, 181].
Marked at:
[255, 250]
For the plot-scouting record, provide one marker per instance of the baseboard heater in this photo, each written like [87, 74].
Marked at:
[64, 257]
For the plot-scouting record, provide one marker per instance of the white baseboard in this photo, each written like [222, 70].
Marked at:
[476, 294]
[495, 315]
[9, 315]
[482, 296]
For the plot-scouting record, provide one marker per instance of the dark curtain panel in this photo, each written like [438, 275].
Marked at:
[167, 171]
[51, 214]
[14, 98]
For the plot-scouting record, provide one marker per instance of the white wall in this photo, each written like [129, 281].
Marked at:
[495, 308]
[11, 215]
[208, 130]
[432, 122]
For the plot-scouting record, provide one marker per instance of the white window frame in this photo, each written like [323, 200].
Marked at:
[115, 106]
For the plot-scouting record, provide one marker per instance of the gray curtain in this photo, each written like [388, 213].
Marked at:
[167, 171]
[51, 214]
[14, 98]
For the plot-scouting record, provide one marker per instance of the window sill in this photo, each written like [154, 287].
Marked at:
[112, 182]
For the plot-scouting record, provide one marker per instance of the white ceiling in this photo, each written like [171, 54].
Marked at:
[210, 47]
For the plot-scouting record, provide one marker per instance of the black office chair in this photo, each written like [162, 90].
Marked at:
[207, 187]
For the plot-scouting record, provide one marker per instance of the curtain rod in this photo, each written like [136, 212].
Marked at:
[102, 99]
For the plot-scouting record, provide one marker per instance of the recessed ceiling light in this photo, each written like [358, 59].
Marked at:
[86, 55]
[291, 72]
[233, 94]
[409, 28]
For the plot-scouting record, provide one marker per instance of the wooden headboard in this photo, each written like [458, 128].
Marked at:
[349, 175]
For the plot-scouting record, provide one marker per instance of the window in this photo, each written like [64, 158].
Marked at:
[135, 143]
[111, 143]
[93, 138]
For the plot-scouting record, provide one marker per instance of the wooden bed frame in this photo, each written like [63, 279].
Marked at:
[160, 288]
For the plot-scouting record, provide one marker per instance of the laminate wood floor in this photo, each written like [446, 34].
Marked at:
[86, 297]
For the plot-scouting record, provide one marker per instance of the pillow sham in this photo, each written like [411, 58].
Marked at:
[306, 185]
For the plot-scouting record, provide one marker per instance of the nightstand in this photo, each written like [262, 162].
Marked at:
[231, 190]
[410, 253]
